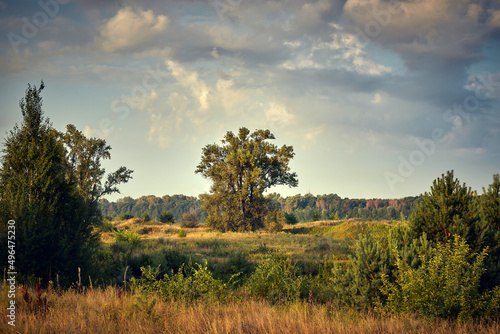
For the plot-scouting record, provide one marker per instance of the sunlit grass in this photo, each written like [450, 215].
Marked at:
[112, 311]
[315, 241]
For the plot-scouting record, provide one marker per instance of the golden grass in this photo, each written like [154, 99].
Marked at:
[104, 311]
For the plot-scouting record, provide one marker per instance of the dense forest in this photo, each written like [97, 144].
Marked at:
[305, 208]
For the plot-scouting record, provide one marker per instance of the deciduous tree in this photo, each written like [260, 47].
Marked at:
[241, 169]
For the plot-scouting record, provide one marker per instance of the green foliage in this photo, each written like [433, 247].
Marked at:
[290, 219]
[276, 280]
[238, 264]
[445, 285]
[490, 231]
[127, 237]
[145, 217]
[186, 285]
[241, 170]
[451, 208]
[126, 216]
[167, 217]
[106, 226]
[274, 221]
[315, 216]
[490, 203]
[182, 234]
[50, 183]
[447, 210]
[357, 283]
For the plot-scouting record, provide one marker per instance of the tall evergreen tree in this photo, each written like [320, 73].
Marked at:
[39, 192]
[449, 209]
[241, 170]
[490, 203]
[490, 228]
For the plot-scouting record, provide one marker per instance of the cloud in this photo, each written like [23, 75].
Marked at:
[447, 29]
[376, 99]
[130, 28]
[278, 117]
[340, 50]
[190, 80]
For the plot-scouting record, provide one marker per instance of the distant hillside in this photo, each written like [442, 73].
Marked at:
[305, 207]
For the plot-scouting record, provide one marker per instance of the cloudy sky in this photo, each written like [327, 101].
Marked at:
[377, 97]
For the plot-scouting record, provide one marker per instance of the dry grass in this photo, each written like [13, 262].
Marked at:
[107, 311]
[295, 241]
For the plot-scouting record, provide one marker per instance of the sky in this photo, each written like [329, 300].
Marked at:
[378, 98]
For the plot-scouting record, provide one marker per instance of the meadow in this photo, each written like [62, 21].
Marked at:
[112, 308]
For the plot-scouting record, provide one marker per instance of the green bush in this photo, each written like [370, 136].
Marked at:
[276, 280]
[126, 216]
[106, 226]
[128, 238]
[182, 234]
[145, 217]
[290, 219]
[445, 285]
[187, 284]
[237, 264]
[167, 217]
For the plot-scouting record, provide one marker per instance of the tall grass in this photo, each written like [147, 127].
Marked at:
[111, 311]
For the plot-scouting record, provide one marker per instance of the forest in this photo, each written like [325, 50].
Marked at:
[305, 208]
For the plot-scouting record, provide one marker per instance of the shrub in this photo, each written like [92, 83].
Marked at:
[290, 219]
[315, 216]
[276, 280]
[445, 285]
[129, 238]
[182, 234]
[167, 217]
[274, 221]
[189, 220]
[187, 284]
[126, 216]
[106, 226]
[145, 217]
[237, 264]
[144, 230]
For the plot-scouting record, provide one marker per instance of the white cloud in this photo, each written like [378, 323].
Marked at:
[341, 51]
[130, 28]
[278, 117]
[197, 87]
[376, 99]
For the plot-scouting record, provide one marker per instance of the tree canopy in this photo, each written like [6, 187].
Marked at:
[241, 169]
[50, 184]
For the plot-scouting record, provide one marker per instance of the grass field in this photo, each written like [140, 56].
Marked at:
[111, 311]
[108, 309]
[314, 241]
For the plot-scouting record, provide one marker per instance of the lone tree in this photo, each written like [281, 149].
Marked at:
[50, 183]
[241, 170]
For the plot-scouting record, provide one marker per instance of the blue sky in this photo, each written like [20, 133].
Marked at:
[378, 98]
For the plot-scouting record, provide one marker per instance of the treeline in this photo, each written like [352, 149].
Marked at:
[323, 207]
[305, 208]
[154, 206]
